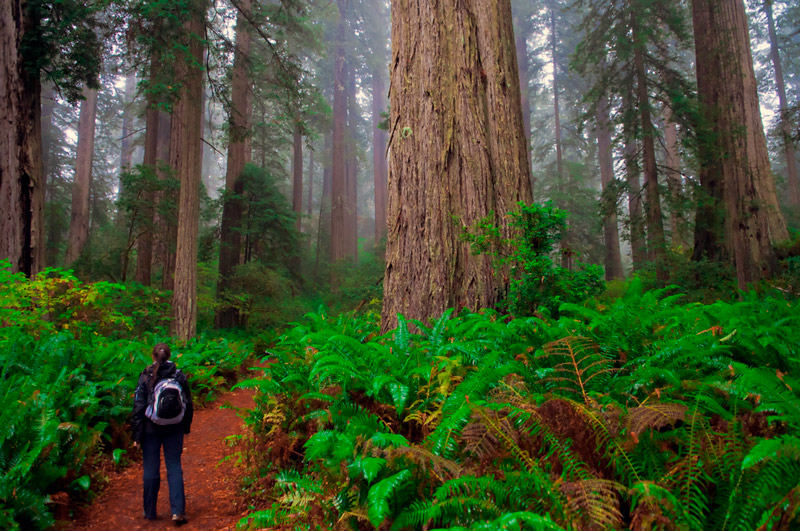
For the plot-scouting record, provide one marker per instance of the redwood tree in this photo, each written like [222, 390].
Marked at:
[739, 218]
[239, 154]
[82, 183]
[185, 161]
[451, 163]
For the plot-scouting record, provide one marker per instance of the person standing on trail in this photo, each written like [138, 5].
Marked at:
[162, 415]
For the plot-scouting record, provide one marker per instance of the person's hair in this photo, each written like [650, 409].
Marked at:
[160, 355]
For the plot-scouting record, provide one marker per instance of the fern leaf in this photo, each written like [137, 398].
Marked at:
[380, 494]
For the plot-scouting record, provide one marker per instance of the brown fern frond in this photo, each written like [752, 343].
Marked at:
[596, 501]
[444, 469]
[577, 361]
[653, 416]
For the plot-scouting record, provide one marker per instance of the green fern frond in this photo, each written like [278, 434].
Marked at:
[380, 493]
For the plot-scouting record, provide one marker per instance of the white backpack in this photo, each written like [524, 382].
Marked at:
[167, 404]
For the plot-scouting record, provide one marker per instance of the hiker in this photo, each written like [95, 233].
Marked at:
[162, 415]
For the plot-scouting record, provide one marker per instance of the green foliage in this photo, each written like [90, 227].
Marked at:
[535, 281]
[70, 357]
[640, 411]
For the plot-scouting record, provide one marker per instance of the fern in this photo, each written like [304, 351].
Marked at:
[380, 495]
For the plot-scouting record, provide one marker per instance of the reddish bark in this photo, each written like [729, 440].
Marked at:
[82, 183]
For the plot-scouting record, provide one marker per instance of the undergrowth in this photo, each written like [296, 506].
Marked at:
[644, 413]
[71, 355]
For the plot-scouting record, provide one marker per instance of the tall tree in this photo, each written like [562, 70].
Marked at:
[185, 161]
[379, 165]
[739, 218]
[613, 256]
[339, 166]
[297, 174]
[672, 161]
[792, 175]
[239, 154]
[35, 37]
[655, 222]
[79, 219]
[449, 158]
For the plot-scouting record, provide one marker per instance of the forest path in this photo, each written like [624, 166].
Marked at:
[211, 487]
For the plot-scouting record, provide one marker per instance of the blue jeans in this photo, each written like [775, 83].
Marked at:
[151, 457]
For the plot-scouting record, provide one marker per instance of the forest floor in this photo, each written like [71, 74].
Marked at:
[212, 500]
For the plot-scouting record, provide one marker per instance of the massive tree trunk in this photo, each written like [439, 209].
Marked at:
[309, 193]
[655, 223]
[457, 153]
[186, 162]
[792, 175]
[239, 154]
[379, 167]
[677, 221]
[297, 176]
[338, 175]
[735, 171]
[82, 183]
[613, 256]
[165, 225]
[21, 176]
[126, 151]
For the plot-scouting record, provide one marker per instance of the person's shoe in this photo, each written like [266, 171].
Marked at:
[144, 515]
[179, 519]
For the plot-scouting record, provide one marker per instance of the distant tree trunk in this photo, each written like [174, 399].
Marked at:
[379, 167]
[351, 166]
[297, 176]
[48, 167]
[81, 186]
[186, 162]
[338, 176]
[613, 256]
[521, 43]
[786, 127]
[677, 220]
[566, 250]
[239, 154]
[655, 224]
[21, 176]
[126, 151]
[166, 226]
[633, 171]
[735, 172]
[324, 225]
[309, 193]
[451, 162]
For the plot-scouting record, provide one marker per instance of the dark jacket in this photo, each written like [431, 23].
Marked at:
[140, 424]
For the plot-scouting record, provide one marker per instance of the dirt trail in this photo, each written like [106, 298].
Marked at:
[211, 501]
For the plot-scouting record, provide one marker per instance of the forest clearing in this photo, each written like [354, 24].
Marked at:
[400, 265]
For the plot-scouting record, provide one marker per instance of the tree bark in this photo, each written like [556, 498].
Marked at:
[523, 28]
[21, 175]
[677, 221]
[186, 162]
[655, 224]
[457, 153]
[735, 172]
[379, 166]
[297, 176]
[613, 256]
[81, 186]
[324, 225]
[566, 251]
[351, 167]
[339, 167]
[126, 151]
[792, 176]
[239, 154]
[636, 225]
